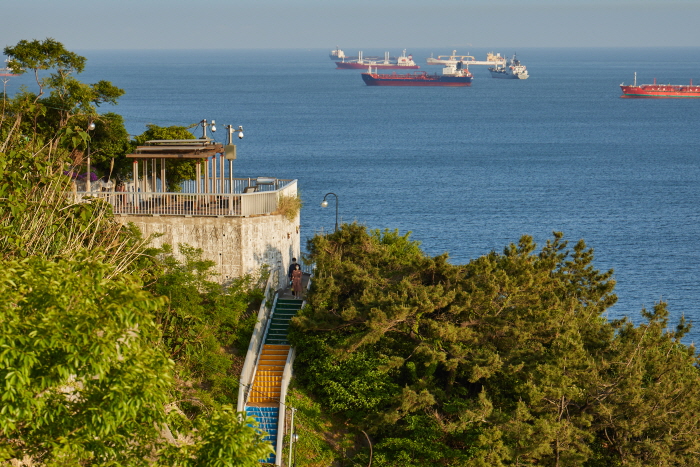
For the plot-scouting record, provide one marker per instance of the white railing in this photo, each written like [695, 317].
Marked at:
[286, 379]
[259, 202]
[257, 339]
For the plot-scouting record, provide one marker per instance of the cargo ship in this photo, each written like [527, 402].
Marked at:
[509, 69]
[660, 90]
[454, 74]
[402, 62]
[445, 59]
[7, 72]
[491, 59]
[338, 54]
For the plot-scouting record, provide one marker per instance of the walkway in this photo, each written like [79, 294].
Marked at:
[265, 395]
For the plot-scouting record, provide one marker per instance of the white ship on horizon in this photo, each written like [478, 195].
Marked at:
[510, 69]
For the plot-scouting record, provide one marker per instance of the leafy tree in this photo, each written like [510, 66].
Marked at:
[109, 143]
[83, 377]
[86, 373]
[504, 361]
[206, 326]
[225, 439]
[68, 97]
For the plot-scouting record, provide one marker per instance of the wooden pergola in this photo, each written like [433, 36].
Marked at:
[161, 150]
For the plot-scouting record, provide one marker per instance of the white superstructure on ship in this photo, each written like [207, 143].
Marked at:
[510, 69]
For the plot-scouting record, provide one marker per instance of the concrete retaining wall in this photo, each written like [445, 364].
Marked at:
[238, 245]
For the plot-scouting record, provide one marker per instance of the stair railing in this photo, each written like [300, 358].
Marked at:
[286, 378]
[259, 351]
[256, 341]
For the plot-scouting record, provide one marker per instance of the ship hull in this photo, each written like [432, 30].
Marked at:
[374, 79]
[506, 75]
[502, 75]
[364, 66]
[660, 91]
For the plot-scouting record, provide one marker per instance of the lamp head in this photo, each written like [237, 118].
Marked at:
[91, 126]
[240, 132]
[324, 204]
[213, 126]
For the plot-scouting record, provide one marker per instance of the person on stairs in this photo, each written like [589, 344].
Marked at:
[292, 267]
[296, 282]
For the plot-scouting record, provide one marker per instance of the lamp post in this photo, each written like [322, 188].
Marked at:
[88, 188]
[324, 204]
[230, 150]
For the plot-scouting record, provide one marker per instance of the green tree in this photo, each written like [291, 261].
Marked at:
[84, 379]
[86, 376]
[109, 143]
[507, 360]
[224, 439]
[53, 66]
[206, 325]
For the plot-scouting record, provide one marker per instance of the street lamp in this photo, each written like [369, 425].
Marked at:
[324, 204]
[230, 149]
[91, 126]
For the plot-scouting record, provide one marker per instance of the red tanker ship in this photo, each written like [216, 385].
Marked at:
[454, 74]
[660, 90]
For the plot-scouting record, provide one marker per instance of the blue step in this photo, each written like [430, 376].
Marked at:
[267, 418]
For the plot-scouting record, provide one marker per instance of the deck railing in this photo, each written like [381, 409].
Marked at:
[260, 202]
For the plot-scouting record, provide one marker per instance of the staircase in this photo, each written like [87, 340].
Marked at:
[267, 418]
[285, 310]
[268, 375]
[264, 396]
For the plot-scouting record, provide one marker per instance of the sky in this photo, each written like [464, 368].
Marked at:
[350, 24]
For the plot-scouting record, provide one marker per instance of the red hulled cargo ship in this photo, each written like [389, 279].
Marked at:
[453, 74]
[660, 90]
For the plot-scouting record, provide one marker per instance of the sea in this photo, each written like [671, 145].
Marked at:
[465, 170]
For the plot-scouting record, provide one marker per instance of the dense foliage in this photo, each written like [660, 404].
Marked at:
[82, 375]
[206, 326]
[70, 104]
[97, 368]
[507, 360]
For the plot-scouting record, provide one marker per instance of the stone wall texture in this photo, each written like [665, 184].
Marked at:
[238, 245]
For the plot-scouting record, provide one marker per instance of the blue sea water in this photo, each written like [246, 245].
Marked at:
[466, 170]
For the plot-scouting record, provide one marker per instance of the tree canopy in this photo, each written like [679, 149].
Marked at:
[82, 378]
[53, 66]
[507, 360]
[90, 361]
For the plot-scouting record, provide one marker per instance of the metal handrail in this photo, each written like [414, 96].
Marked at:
[256, 340]
[284, 385]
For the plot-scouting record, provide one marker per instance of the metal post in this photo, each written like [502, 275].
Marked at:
[199, 175]
[88, 182]
[324, 204]
[136, 180]
[291, 438]
[88, 186]
[162, 175]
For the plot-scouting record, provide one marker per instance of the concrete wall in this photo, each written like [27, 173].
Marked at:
[238, 245]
